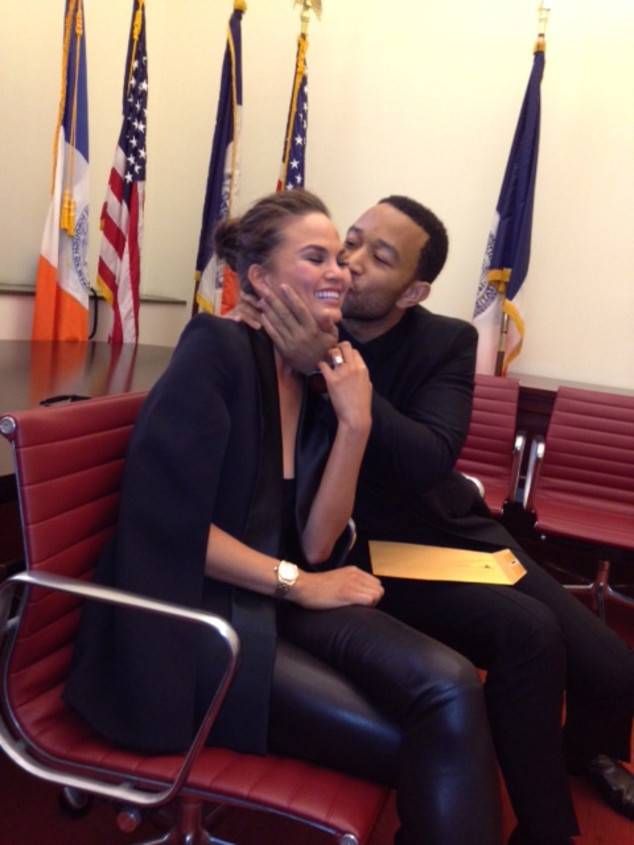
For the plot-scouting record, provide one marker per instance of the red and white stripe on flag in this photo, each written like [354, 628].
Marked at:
[119, 265]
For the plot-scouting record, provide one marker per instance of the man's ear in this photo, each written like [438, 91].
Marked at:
[413, 294]
[257, 276]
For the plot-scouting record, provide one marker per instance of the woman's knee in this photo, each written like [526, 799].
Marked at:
[444, 679]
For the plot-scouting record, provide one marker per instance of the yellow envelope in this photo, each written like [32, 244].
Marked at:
[436, 563]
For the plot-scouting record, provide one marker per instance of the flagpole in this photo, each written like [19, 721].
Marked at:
[501, 278]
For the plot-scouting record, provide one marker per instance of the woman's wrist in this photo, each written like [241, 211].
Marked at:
[356, 426]
[287, 575]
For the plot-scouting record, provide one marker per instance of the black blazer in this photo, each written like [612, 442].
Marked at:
[422, 373]
[206, 448]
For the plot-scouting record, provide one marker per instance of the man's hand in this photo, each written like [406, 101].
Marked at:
[246, 311]
[293, 329]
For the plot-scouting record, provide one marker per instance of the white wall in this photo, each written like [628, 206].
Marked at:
[411, 97]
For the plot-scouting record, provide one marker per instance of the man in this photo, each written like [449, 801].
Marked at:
[533, 639]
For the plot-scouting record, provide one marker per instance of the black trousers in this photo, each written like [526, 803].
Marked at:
[535, 641]
[377, 699]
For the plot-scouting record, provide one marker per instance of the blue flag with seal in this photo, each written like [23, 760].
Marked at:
[216, 290]
[496, 316]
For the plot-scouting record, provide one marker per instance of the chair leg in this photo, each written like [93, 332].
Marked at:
[188, 827]
[601, 588]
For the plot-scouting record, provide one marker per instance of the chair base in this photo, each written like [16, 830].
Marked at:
[601, 591]
[188, 828]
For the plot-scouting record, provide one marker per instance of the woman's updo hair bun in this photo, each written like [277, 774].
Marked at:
[227, 241]
[252, 238]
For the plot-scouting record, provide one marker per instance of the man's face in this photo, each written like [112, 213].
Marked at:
[382, 250]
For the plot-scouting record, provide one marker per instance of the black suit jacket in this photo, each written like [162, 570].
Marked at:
[206, 448]
[422, 372]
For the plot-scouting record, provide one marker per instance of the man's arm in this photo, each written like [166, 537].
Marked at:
[417, 442]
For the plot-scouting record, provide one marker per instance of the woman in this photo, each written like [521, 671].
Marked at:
[238, 486]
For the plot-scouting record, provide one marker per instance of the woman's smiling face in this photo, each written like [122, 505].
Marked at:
[309, 260]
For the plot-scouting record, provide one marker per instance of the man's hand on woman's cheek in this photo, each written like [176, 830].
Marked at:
[246, 311]
[294, 330]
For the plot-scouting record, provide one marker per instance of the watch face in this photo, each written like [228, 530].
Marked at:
[287, 572]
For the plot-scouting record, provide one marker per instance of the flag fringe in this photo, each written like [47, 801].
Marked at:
[518, 321]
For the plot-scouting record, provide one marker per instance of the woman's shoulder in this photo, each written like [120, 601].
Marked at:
[209, 329]
[212, 354]
[207, 335]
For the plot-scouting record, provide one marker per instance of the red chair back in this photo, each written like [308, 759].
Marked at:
[69, 462]
[585, 486]
[488, 449]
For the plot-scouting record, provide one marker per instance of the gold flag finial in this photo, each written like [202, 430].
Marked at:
[308, 6]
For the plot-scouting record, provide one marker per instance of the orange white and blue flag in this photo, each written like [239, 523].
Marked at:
[62, 285]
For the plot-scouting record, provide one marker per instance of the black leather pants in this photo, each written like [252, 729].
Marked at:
[377, 699]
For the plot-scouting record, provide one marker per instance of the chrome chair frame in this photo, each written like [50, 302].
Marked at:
[147, 791]
[17, 749]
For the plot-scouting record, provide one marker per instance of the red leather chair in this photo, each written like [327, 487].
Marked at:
[580, 481]
[492, 451]
[68, 465]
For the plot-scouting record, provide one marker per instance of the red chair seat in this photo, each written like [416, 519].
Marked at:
[594, 521]
[289, 786]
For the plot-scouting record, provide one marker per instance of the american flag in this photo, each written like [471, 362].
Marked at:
[294, 155]
[119, 267]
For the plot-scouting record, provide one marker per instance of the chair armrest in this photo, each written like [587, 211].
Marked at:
[16, 748]
[518, 455]
[352, 529]
[535, 458]
[475, 480]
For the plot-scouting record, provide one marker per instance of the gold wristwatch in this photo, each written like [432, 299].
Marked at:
[287, 574]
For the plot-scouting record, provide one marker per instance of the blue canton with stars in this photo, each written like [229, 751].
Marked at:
[133, 130]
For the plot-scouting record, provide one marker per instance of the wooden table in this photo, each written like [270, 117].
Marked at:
[31, 372]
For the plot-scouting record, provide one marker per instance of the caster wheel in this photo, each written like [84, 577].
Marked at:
[74, 802]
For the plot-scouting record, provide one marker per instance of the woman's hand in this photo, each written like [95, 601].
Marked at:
[336, 588]
[349, 387]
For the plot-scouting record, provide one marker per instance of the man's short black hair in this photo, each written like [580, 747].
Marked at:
[434, 254]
